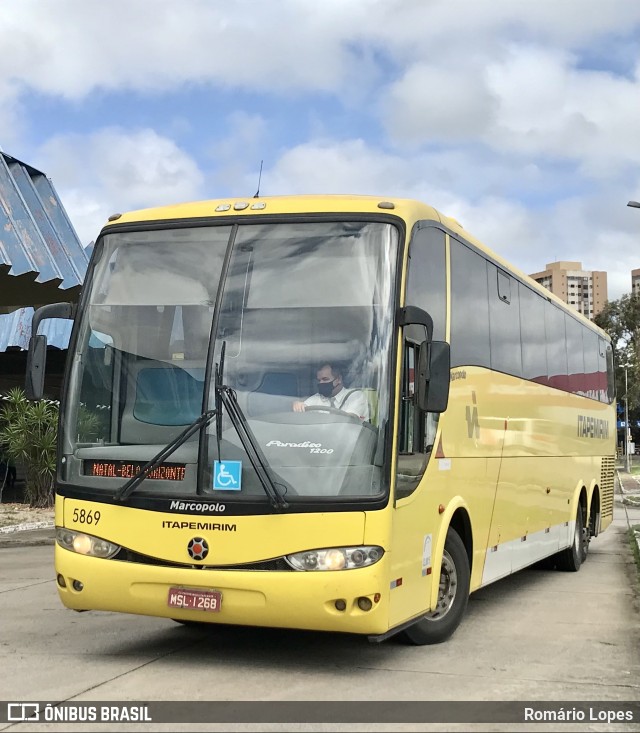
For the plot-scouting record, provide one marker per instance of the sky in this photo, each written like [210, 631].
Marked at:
[519, 118]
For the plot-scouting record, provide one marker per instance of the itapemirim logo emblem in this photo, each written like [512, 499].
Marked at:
[198, 548]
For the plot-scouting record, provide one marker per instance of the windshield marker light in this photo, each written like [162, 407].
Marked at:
[223, 207]
[336, 558]
[240, 205]
[85, 544]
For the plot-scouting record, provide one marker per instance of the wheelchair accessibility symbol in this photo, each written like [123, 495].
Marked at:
[227, 475]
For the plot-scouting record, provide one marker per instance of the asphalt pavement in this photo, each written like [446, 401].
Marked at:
[537, 635]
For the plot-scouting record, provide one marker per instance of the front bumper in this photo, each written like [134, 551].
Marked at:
[298, 600]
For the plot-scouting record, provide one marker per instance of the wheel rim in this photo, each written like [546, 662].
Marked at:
[447, 590]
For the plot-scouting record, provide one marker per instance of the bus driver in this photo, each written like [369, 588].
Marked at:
[332, 393]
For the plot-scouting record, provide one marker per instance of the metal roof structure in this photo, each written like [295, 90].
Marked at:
[41, 257]
[15, 330]
[40, 253]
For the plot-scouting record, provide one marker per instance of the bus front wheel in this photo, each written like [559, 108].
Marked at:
[453, 594]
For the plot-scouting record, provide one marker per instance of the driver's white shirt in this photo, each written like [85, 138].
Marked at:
[349, 400]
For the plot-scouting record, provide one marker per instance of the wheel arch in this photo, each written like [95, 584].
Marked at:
[455, 516]
[594, 512]
[580, 500]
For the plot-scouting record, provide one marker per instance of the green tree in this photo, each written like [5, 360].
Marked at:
[28, 431]
[621, 320]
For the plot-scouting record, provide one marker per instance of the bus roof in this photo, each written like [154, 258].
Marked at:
[409, 210]
[297, 204]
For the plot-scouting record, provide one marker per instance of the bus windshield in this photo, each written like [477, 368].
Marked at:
[295, 306]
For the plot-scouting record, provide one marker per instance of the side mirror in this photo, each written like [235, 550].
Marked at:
[37, 355]
[432, 378]
[36, 360]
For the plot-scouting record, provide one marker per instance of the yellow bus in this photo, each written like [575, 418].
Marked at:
[336, 413]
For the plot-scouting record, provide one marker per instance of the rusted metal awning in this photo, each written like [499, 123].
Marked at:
[41, 258]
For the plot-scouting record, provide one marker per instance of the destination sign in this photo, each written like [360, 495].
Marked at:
[128, 469]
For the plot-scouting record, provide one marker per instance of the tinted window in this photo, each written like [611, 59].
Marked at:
[611, 379]
[534, 353]
[575, 356]
[504, 320]
[590, 352]
[469, 307]
[427, 280]
[556, 346]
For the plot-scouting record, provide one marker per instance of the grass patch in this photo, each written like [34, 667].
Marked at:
[635, 470]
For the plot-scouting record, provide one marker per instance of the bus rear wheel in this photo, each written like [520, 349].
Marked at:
[453, 595]
[572, 557]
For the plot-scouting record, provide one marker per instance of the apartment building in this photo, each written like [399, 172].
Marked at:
[584, 290]
[635, 282]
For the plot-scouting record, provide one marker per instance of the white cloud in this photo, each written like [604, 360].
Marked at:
[462, 28]
[548, 106]
[491, 110]
[11, 114]
[431, 103]
[112, 170]
[72, 47]
[596, 230]
[350, 166]
[528, 100]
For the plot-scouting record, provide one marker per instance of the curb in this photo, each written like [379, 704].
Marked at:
[633, 500]
[31, 534]
[26, 526]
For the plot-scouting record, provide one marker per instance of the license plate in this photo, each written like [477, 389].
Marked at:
[195, 600]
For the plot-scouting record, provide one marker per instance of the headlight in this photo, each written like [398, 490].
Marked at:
[335, 558]
[85, 544]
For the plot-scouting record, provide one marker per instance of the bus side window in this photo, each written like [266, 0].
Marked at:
[426, 288]
[417, 429]
[407, 404]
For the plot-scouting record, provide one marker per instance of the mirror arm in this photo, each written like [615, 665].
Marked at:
[37, 354]
[52, 310]
[411, 314]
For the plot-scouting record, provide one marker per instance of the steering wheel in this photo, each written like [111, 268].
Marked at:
[332, 410]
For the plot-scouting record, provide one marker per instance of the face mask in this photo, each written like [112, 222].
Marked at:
[325, 388]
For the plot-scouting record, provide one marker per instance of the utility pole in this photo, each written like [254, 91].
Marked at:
[633, 205]
[627, 460]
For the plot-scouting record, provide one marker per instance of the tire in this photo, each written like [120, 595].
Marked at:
[191, 624]
[439, 625]
[571, 559]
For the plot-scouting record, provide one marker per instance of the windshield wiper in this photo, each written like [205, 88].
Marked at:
[223, 396]
[251, 447]
[131, 485]
[227, 397]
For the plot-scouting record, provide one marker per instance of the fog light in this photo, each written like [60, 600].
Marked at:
[341, 604]
[364, 603]
[77, 585]
[61, 581]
